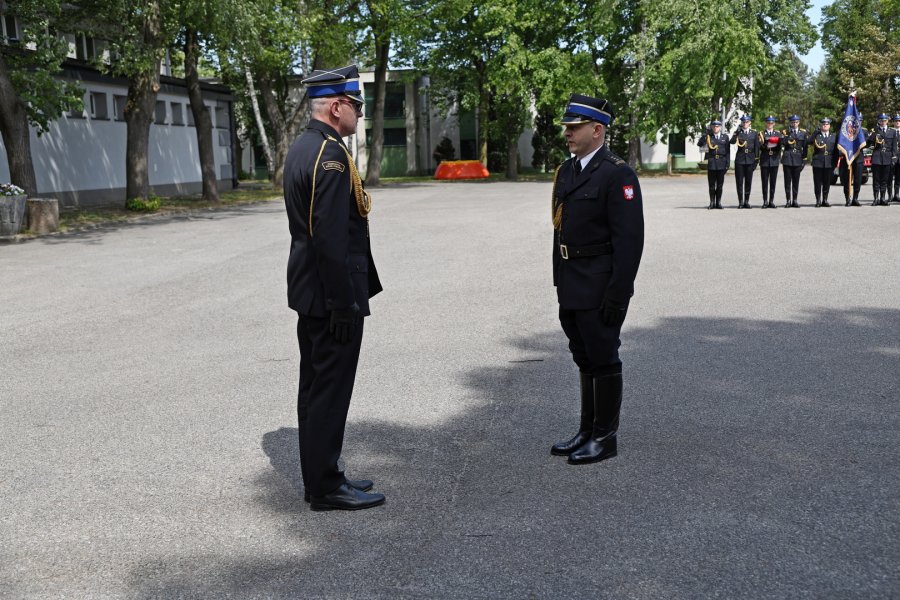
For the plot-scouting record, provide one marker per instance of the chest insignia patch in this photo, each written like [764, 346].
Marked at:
[333, 165]
[628, 192]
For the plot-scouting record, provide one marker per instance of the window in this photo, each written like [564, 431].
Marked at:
[394, 101]
[394, 136]
[10, 29]
[159, 116]
[99, 108]
[221, 118]
[190, 117]
[84, 48]
[119, 106]
[177, 113]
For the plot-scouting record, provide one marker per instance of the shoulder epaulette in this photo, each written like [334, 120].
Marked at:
[614, 159]
[804, 131]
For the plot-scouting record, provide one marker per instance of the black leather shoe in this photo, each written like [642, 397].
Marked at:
[594, 451]
[566, 448]
[855, 202]
[363, 485]
[346, 497]
[825, 203]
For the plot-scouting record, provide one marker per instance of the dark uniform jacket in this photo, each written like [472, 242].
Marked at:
[883, 143]
[769, 157]
[330, 264]
[601, 206]
[794, 144]
[718, 152]
[823, 149]
[747, 147]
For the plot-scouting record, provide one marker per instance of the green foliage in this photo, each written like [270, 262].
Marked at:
[444, 150]
[151, 204]
[549, 145]
[36, 60]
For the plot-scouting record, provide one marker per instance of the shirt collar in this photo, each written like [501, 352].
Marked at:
[587, 159]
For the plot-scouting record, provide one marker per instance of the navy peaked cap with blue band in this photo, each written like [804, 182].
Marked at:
[746, 118]
[334, 82]
[770, 119]
[794, 118]
[584, 109]
[882, 116]
[897, 117]
[715, 122]
[825, 120]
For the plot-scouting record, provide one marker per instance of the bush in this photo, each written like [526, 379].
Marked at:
[151, 204]
[444, 151]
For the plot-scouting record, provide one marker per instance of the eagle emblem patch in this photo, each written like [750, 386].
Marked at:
[628, 192]
[333, 165]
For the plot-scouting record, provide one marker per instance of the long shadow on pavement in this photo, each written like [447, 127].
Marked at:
[758, 459]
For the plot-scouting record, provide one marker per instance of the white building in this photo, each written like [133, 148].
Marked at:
[81, 159]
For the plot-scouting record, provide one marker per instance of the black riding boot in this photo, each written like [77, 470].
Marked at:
[607, 402]
[587, 419]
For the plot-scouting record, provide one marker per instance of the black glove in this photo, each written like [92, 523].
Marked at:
[612, 313]
[343, 323]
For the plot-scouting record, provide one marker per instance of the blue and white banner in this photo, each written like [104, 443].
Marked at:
[850, 139]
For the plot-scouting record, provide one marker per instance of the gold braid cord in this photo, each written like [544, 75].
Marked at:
[363, 199]
[709, 143]
[791, 141]
[739, 144]
[556, 211]
[818, 145]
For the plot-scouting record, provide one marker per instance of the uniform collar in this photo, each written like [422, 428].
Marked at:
[587, 159]
[325, 129]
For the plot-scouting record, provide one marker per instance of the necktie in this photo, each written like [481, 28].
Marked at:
[577, 167]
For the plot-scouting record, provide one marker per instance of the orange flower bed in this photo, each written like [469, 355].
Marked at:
[461, 169]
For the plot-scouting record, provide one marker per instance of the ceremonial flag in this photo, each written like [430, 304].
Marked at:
[850, 142]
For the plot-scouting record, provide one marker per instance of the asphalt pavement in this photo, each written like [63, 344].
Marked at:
[148, 425]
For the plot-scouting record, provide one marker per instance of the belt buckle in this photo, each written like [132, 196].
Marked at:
[564, 251]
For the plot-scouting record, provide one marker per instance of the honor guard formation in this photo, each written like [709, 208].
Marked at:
[791, 148]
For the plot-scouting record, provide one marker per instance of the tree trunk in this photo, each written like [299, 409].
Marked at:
[282, 140]
[254, 102]
[634, 152]
[139, 110]
[202, 121]
[373, 168]
[512, 157]
[483, 108]
[16, 134]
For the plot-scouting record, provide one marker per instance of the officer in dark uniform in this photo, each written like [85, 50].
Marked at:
[718, 157]
[896, 168]
[793, 141]
[823, 142]
[745, 160]
[769, 159]
[883, 141]
[330, 277]
[598, 239]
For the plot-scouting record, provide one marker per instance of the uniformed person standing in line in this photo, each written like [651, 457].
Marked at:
[883, 142]
[793, 141]
[718, 157]
[598, 239]
[823, 161]
[896, 167]
[745, 160]
[330, 277]
[769, 159]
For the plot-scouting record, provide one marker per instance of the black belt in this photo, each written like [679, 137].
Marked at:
[568, 252]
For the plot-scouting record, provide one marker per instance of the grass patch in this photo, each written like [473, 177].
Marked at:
[254, 192]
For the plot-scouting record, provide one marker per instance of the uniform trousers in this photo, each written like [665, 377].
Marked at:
[822, 182]
[327, 373]
[594, 345]
[881, 180]
[743, 175]
[716, 179]
[791, 181]
[856, 167]
[769, 178]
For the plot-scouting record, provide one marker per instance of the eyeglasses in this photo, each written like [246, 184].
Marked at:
[357, 106]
